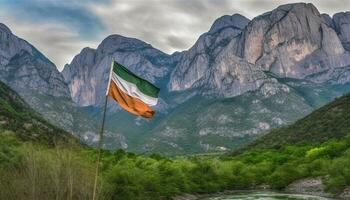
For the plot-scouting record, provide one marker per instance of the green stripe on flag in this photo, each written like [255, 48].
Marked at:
[143, 85]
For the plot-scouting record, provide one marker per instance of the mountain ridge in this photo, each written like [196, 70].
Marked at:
[17, 116]
[94, 76]
[12, 49]
[328, 122]
[236, 59]
[36, 79]
[291, 57]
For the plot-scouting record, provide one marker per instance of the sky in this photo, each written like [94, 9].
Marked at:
[61, 28]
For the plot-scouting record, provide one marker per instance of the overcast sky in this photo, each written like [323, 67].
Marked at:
[61, 28]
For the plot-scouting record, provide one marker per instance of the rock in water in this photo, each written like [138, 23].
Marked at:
[311, 186]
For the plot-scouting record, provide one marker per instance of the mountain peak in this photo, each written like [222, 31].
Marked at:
[116, 42]
[339, 14]
[341, 23]
[4, 28]
[235, 20]
[299, 7]
[295, 10]
[87, 49]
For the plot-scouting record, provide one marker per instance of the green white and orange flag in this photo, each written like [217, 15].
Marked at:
[133, 93]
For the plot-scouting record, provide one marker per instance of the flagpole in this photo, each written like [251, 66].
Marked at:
[99, 148]
[101, 136]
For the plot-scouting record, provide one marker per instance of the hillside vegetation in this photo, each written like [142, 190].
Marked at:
[31, 169]
[18, 117]
[328, 122]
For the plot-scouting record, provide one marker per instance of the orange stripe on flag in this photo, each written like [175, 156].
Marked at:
[129, 103]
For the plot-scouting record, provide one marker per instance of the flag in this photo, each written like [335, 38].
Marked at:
[133, 93]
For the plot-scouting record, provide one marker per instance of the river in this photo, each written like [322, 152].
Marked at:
[264, 196]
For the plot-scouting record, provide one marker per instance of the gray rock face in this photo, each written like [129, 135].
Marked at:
[292, 41]
[87, 74]
[25, 72]
[230, 76]
[23, 67]
[37, 80]
[278, 41]
[345, 194]
[195, 62]
[342, 26]
[278, 67]
[235, 21]
[10, 45]
[185, 197]
[311, 186]
[282, 40]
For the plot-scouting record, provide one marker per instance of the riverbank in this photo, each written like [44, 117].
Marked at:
[253, 194]
[316, 186]
[308, 186]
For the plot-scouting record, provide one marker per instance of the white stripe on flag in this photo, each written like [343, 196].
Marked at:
[132, 90]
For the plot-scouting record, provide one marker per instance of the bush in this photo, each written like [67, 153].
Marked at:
[336, 184]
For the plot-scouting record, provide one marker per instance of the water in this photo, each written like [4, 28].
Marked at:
[265, 196]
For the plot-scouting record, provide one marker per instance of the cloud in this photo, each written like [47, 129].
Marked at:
[57, 30]
[174, 25]
[169, 25]
[56, 41]
[61, 28]
[72, 14]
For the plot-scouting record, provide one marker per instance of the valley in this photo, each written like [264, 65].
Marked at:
[255, 108]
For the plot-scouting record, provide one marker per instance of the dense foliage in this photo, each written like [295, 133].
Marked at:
[33, 171]
[67, 172]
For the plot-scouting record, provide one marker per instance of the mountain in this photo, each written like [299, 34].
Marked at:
[87, 74]
[24, 68]
[292, 41]
[17, 116]
[240, 79]
[198, 60]
[331, 121]
[36, 79]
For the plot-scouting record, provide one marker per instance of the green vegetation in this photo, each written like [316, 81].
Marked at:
[67, 172]
[33, 171]
[329, 121]
[135, 177]
[17, 116]
[39, 161]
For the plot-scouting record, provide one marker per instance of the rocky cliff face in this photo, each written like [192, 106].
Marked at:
[196, 62]
[24, 68]
[87, 74]
[238, 80]
[37, 80]
[233, 57]
[341, 23]
[292, 41]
